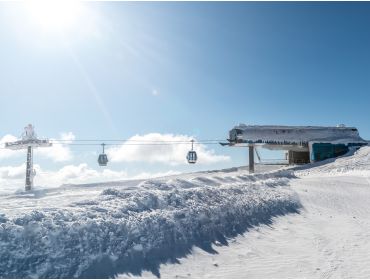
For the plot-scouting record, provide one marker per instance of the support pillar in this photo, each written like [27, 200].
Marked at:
[29, 169]
[251, 158]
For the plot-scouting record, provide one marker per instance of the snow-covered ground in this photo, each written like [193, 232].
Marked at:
[125, 227]
[329, 238]
[298, 222]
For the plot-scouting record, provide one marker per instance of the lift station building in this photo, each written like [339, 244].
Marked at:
[303, 144]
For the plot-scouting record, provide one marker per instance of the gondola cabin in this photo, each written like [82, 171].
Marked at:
[192, 157]
[103, 158]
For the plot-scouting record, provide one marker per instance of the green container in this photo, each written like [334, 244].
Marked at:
[321, 151]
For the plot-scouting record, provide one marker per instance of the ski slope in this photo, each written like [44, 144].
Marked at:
[310, 221]
[128, 227]
[329, 238]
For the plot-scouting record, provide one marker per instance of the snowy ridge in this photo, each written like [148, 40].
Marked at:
[129, 230]
[358, 162]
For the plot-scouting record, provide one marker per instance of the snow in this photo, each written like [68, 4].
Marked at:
[300, 222]
[358, 164]
[296, 134]
[327, 239]
[100, 231]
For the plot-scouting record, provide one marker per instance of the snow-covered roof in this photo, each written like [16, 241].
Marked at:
[293, 134]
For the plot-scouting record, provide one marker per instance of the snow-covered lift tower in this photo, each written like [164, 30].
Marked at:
[29, 141]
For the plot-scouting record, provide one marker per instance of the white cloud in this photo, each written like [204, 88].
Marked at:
[13, 172]
[12, 178]
[6, 153]
[58, 152]
[174, 154]
[82, 174]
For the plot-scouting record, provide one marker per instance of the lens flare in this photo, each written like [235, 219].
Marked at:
[54, 15]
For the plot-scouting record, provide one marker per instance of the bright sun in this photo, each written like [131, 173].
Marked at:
[54, 15]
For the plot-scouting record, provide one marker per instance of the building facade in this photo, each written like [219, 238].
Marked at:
[303, 144]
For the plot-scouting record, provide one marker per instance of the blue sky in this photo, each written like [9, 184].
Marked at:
[193, 69]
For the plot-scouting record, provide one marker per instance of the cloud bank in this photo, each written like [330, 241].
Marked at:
[59, 152]
[12, 177]
[5, 153]
[174, 154]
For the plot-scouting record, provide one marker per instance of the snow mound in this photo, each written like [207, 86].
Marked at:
[358, 162]
[127, 231]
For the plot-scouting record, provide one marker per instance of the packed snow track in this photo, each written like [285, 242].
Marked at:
[329, 238]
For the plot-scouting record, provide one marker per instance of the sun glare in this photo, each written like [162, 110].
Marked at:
[54, 15]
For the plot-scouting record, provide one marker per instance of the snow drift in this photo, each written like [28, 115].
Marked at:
[356, 162]
[329, 239]
[128, 230]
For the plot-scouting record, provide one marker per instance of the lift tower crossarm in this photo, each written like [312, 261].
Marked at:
[24, 144]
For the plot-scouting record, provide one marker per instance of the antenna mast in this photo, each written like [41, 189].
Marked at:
[29, 141]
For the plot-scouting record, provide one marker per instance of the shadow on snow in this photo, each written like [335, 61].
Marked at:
[129, 231]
